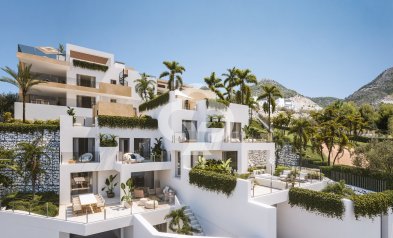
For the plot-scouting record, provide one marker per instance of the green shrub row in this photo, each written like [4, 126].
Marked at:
[155, 102]
[213, 181]
[310, 163]
[27, 128]
[372, 204]
[88, 65]
[144, 122]
[217, 104]
[365, 139]
[327, 204]
[366, 173]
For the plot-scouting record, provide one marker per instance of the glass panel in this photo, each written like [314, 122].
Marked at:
[189, 130]
[81, 183]
[142, 147]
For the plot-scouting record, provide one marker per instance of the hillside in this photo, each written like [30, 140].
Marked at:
[375, 91]
[287, 93]
[324, 101]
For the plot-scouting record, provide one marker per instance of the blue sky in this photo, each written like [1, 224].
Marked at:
[319, 48]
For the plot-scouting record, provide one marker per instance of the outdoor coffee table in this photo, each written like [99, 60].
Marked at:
[87, 200]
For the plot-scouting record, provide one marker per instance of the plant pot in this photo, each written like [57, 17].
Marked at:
[110, 194]
[127, 204]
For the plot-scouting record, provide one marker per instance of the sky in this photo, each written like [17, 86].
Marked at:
[316, 47]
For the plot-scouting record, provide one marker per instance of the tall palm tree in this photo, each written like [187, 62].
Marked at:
[300, 129]
[24, 79]
[30, 163]
[244, 78]
[230, 82]
[144, 86]
[180, 222]
[214, 83]
[174, 69]
[270, 93]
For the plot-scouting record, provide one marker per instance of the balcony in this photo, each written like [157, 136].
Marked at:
[79, 158]
[53, 78]
[126, 158]
[47, 100]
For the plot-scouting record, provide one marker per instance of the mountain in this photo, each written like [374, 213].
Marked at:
[287, 93]
[375, 91]
[324, 101]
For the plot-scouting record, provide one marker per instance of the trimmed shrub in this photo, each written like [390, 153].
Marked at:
[372, 204]
[155, 102]
[327, 204]
[108, 140]
[88, 65]
[213, 181]
[144, 122]
[28, 128]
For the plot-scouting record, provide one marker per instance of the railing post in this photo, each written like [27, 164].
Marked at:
[66, 215]
[87, 217]
[104, 213]
[47, 208]
[29, 208]
[13, 206]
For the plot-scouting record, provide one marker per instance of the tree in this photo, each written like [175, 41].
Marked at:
[180, 222]
[24, 79]
[174, 69]
[375, 156]
[230, 82]
[390, 125]
[300, 129]
[7, 101]
[6, 163]
[270, 93]
[282, 121]
[384, 113]
[30, 160]
[244, 78]
[369, 116]
[214, 83]
[143, 85]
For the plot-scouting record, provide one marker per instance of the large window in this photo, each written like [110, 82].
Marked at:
[84, 150]
[231, 155]
[189, 130]
[85, 102]
[178, 164]
[85, 81]
[194, 157]
[81, 183]
[236, 128]
[143, 179]
[142, 147]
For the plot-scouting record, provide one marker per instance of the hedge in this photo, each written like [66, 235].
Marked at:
[144, 122]
[213, 181]
[88, 65]
[365, 139]
[155, 102]
[27, 128]
[372, 204]
[367, 173]
[327, 204]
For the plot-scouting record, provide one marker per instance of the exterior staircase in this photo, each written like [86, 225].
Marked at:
[194, 221]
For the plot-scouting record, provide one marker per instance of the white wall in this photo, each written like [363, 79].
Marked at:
[47, 112]
[298, 223]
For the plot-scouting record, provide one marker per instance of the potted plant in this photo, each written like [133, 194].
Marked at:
[157, 150]
[127, 189]
[71, 112]
[110, 186]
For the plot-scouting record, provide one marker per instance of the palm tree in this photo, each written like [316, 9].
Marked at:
[24, 79]
[144, 86]
[244, 77]
[174, 69]
[230, 82]
[214, 83]
[30, 163]
[270, 93]
[180, 222]
[300, 129]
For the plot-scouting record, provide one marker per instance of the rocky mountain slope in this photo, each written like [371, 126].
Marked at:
[375, 91]
[287, 93]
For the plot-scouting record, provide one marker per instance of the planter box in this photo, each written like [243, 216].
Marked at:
[216, 135]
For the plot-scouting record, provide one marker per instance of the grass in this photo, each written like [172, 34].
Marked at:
[37, 205]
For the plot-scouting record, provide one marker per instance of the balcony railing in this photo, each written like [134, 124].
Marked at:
[123, 158]
[83, 121]
[78, 157]
[52, 78]
[35, 51]
[47, 100]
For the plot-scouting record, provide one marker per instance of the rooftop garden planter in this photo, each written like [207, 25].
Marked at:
[213, 181]
[144, 122]
[154, 103]
[217, 104]
[107, 140]
[29, 128]
[88, 65]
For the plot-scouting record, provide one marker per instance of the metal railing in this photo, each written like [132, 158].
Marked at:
[185, 137]
[77, 157]
[52, 78]
[376, 185]
[121, 158]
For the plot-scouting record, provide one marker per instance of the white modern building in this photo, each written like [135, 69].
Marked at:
[102, 92]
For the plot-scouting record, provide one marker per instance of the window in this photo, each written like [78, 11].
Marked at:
[189, 130]
[85, 81]
[83, 146]
[113, 81]
[194, 157]
[85, 102]
[113, 100]
[81, 183]
[236, 128]
[231, 155]
[142, 147]
[178, 164]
